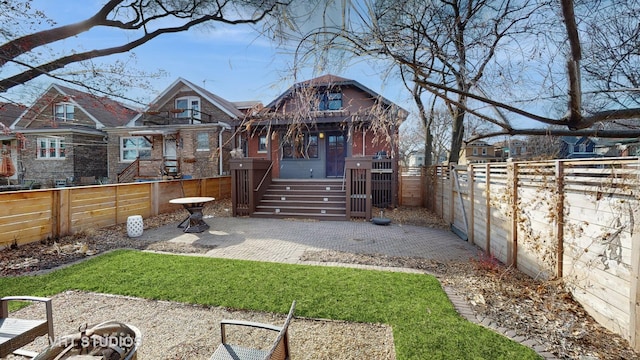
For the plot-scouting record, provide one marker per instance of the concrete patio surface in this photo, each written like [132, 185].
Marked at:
[285, 241]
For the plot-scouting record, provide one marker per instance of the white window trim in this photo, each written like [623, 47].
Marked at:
[582, 148]
[52, 142]
[266, 144]
[65, 116]
[190, 100]
[122, 139]
[208, 148]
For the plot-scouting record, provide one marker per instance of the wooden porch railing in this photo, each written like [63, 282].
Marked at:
[130, 172]
[358, 191]
[250, 178]
[368, 182]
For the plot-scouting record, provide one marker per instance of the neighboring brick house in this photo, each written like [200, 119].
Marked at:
[480, 152]
[311, 128]
[62, 137]
[185, 132]
[9, 143]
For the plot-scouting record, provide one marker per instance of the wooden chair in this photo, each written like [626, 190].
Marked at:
[16, 333]
[279, 348]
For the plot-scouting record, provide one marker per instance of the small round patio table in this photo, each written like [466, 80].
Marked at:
[194, 223]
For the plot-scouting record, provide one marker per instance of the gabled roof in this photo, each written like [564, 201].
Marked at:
[226, 106]
[330, 80]
[9, 112]
[103, 111]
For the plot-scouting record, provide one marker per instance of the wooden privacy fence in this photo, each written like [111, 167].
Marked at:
[34, 215]
[578, 220]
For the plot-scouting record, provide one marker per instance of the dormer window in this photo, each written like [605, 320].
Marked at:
[330, 101]
[191, 106]
[63, 111]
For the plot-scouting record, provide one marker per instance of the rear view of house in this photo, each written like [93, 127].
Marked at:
[185, 132]
[310, 153]
[310, 129]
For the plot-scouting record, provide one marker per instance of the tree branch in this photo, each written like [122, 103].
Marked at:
[24, 44]
[44, 69]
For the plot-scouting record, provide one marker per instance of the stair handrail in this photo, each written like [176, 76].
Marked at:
[264, 177]
[130, 172]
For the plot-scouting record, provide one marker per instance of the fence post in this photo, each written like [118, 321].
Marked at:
[634, 295]
[452, 196]
[512, 245]
[155, 198]
[472, 206]
[488, 208]
[62, 226]
[559, 217]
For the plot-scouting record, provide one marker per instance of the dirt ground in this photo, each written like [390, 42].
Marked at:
[541, 310]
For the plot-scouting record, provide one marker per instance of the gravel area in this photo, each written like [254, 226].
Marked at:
[542, 311]
[182, 331]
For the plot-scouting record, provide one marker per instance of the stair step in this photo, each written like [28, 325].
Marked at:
[303, 198]
[302, 203]
[300, 209]
[283, 215]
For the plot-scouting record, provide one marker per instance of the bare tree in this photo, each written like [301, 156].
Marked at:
[412, 137]
[141, 20]
[542, 147]
[500, 61]
[611, 58]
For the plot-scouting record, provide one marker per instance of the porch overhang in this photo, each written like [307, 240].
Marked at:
[162, 132]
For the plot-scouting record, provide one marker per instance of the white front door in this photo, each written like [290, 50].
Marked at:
[170, 155]
[170, 151]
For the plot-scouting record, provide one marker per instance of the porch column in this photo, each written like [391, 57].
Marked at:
[269, 153]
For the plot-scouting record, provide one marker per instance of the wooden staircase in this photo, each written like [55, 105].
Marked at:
[320, 199]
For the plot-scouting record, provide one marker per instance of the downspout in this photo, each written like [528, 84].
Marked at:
[220, 167]
[223, 127]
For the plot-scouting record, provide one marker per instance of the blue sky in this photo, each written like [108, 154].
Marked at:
[230, 61]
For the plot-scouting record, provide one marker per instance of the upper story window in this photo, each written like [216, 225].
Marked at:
[63, 111]
[191, 106]
[475, 151]
[484, 151]
[133, 147]
[51, 148]
[330, 101]
[582, 148]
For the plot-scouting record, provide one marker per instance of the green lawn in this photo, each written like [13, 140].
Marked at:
[425, 324]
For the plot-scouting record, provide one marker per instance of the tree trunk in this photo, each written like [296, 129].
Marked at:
[428, 146]
[457, 136]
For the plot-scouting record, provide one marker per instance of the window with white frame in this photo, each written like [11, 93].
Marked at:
[582, 148]
[262, 143]
[202, 141]
[133, 147]
[51, 148]
[475, 151]
[191, 106]
[63, 111]
[484, 151]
